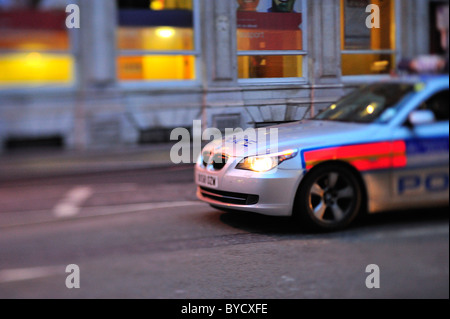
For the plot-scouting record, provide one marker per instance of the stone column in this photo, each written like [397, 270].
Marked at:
[219, 43]
[324, 53]
[221, 95]
[96, 112]
[413, 27]
[324, 41]
[97, 43]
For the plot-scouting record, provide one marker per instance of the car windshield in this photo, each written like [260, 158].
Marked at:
[374, 103]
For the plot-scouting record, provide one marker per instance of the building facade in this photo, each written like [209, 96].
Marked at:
[126, 72]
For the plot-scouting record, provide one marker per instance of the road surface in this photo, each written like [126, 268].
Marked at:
[143, 234]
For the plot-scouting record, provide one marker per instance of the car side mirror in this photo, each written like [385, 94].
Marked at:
[421, 117]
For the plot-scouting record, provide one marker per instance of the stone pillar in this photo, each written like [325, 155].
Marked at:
[221, 95]
[96, 113]
[219, 44]
[413, 27]
[324, 54]
[97, 43]
[324, 41]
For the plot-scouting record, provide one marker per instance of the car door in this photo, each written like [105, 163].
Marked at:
[425, 179]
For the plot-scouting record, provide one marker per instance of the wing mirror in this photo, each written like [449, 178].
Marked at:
[421, 117]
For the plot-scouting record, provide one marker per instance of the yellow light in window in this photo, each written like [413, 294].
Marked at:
[165, 32]
[157, 5]
[333, 107]
[34, 60]
[35, 67]
[380, 65]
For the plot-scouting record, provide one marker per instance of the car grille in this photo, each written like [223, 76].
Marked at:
[218, 161]
[229, 197]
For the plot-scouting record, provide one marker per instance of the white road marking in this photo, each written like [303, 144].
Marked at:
[13, 275]
[70, 205]
[97, 211]
[119, 209]
[132, 208]
[114, 188]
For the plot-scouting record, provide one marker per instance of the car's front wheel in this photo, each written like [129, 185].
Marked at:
[329, 198]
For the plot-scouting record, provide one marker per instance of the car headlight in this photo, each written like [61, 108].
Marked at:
[265, 163]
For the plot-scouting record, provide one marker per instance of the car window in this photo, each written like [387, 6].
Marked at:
[438, 104]
[369, 104]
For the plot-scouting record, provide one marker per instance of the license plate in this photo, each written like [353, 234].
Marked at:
[207, 180]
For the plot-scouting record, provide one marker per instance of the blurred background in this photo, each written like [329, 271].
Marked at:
[136, 69]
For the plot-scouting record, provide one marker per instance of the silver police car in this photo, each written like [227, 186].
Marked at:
[383, 147]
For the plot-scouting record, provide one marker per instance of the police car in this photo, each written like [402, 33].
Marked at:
[383, 147]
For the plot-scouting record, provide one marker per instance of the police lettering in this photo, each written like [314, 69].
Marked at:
[433, 183]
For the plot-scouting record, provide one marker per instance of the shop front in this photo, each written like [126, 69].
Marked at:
[136, 69]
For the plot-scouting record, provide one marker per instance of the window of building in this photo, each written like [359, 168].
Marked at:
[368, 51]
[271, 39]
[34, 44]
[157, 40]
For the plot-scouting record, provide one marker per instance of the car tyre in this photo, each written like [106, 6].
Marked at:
[329, 198]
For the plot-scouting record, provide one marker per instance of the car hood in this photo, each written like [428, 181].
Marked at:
[298, 135]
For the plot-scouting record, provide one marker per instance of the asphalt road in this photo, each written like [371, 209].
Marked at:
[142, 234]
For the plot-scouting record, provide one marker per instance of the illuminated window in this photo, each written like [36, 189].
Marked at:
[34, 44]
[368, 51]
[271, 38]
[156, 40]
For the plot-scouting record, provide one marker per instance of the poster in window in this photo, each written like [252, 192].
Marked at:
[356, 35]
[269, 25]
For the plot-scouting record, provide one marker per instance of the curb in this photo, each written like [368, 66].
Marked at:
[26, 166]
[22, 174]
